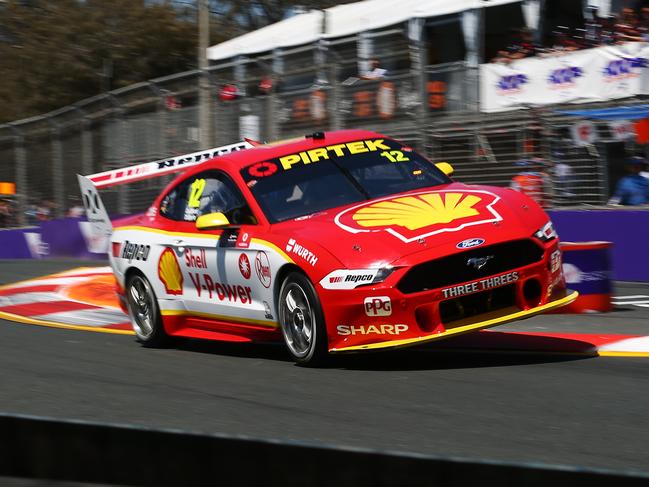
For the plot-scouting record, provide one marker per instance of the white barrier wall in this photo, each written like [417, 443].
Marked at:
[591, 75]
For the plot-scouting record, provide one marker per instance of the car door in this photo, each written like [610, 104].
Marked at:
[223, 265]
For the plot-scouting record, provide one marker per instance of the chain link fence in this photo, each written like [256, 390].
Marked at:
[287, 94]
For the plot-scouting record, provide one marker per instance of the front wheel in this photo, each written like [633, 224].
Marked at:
[144, 312]
[302, 320]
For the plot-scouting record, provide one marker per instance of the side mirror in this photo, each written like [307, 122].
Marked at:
[445, 167]
[211, 221]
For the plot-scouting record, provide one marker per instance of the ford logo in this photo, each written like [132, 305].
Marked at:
[470, 242]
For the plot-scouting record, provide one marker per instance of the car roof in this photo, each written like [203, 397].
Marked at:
[240, 159]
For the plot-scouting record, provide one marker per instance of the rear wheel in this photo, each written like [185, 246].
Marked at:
[302, 320]
[144, 312]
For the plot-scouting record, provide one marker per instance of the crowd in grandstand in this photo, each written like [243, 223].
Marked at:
[629, 26]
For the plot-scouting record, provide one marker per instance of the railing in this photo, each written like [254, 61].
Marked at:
[435, 110]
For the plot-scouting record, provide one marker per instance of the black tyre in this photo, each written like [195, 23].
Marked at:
[302, 320]
[144, 312]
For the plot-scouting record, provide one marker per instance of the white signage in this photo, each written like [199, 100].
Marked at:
[590, 75]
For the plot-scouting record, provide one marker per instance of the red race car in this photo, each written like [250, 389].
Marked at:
[336, 242]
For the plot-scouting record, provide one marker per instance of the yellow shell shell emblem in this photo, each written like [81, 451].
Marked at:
[169, 272]
[415, 212]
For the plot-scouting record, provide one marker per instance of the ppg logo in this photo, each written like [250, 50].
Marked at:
[378, 306]
[622, 67]
[512, 82]
[565, 76]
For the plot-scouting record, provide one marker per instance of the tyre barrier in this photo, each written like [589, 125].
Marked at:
[77, 451]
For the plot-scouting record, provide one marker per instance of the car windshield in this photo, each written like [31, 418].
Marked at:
[307, 182]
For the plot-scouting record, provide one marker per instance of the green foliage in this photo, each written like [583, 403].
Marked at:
[53, 53]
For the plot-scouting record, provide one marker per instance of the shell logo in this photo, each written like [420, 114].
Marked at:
[169, 272]
[422, 214]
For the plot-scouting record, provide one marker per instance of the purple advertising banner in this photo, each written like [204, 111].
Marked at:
[65, 238]
[628, 230]
[21, 243]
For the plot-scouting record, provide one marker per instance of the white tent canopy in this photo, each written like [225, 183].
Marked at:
[342, 20]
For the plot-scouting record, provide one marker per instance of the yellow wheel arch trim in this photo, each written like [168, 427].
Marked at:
[406, 342]
[229, 319]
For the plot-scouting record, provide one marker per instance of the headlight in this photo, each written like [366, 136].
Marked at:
[546, 233]
[382, 274]
[353, 278]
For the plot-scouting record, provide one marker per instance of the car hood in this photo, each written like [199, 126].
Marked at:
[417, 225]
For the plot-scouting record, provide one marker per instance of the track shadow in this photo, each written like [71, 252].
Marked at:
[434, 359]
[265, 351]
[479, 350]
[491, 350]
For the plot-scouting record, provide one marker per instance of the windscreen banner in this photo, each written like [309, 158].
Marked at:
[590, 75]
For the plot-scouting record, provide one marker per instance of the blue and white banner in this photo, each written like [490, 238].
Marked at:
[590, 75]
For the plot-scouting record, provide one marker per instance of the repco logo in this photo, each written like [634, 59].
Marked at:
[135, 251]
[378, 306]
[359, 278]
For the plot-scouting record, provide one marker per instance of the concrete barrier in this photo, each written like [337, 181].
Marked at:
[78, 451]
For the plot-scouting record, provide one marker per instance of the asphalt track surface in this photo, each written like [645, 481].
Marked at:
[514, 407]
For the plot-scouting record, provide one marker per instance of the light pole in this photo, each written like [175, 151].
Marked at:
[204, 88]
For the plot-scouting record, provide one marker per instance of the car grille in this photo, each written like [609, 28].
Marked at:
[476, 304]
[454, 269]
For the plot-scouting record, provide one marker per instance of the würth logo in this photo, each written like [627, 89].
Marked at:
[294, 247]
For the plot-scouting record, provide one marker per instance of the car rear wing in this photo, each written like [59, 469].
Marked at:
[100, 224]
[155, 169]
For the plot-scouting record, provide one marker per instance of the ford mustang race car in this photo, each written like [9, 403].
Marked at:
[336, 242]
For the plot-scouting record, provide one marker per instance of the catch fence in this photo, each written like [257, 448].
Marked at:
[298, 91]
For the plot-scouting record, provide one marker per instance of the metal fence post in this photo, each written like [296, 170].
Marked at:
[57, 168]
[334, 105]
[418, 71]
[122, 192]
[20, 160]
[161, 111]
[86, 142]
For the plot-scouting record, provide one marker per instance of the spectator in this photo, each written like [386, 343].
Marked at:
[626, 29]
[523, 45]
[375, 71]
[532, 181]
[5, 213]
[608, 33]
[593, 28]
[44, 210]
[76, 211]
[632, 189]
[563, 41]
[629, 26]
[563, 176]
[501, 58]
[643, 24]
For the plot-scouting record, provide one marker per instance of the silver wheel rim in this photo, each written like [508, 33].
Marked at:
[298, 320]
[141, 307]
